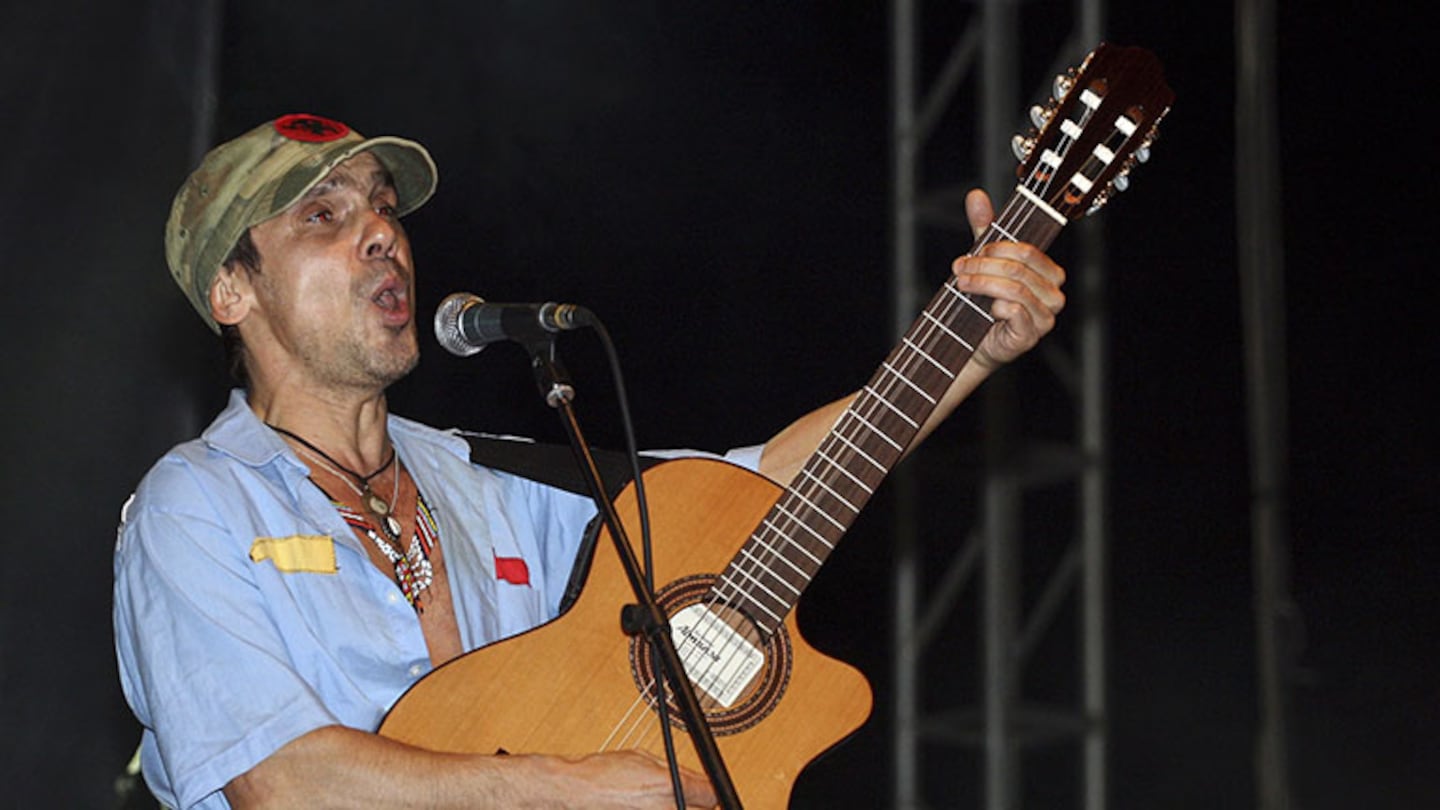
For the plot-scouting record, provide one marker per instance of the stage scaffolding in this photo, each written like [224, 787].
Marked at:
[1003, 725]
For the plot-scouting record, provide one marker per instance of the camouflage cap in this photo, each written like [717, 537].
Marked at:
[250, 179]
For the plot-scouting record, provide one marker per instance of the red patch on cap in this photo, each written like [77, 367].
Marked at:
[310, 128]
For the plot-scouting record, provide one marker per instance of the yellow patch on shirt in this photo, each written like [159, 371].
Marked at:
[298, 553]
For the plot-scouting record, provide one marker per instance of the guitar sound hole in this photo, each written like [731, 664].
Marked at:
[739, 673]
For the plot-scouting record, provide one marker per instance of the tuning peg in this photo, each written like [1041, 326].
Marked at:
[1022, 147]
[1121, 181]
[1101, 198]
[1040, 116]
[1142, 154]
[1063, 83]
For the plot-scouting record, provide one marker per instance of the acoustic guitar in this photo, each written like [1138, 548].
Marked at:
[735, 552]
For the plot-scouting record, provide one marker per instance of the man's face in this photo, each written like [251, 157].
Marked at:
[332, 301]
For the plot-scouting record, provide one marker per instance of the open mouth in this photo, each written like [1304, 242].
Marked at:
[388, 300]
[393, 303]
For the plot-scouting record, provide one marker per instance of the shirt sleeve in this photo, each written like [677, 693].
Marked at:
[747, 457]
[201, 663]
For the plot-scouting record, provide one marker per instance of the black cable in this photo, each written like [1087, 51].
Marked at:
[642, 505]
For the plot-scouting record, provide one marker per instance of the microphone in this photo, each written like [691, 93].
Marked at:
[465, 323]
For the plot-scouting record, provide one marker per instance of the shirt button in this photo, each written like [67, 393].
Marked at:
[415, 670]
[392, 598]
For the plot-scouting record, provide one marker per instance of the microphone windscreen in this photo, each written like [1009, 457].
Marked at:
[447, 324]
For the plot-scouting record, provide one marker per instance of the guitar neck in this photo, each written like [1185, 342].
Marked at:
[794, 540]
[1101, 122]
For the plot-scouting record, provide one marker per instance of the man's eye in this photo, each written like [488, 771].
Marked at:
[385, 210]
[321, 216]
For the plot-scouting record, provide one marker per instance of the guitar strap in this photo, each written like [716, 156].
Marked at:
[552, 464]
[555, 465]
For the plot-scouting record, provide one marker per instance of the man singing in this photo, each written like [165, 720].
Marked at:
[283, 578]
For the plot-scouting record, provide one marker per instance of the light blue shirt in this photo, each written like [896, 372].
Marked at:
[229, 648]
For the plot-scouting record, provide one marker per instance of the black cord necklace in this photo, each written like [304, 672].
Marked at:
[363, 479]
[378, 505]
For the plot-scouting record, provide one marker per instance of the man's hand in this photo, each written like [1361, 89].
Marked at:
[1024, 283]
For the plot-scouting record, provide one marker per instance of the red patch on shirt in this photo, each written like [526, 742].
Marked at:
[310, 128]
[512, 570]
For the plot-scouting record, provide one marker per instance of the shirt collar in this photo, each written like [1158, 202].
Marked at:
[240, 434]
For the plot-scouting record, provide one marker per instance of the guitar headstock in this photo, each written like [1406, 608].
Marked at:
[1102, 119]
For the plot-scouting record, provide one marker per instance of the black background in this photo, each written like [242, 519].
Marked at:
[713, 181]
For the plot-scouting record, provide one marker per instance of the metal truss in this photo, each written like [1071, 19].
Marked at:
[978, 748]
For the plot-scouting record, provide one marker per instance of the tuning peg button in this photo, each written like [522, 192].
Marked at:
[1063, 83]
[1022, 146]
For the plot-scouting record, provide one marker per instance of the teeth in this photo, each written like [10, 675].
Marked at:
[387, 300]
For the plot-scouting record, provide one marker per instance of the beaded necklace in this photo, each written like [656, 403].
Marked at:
[413, 570]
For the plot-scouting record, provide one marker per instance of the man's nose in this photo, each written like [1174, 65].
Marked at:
[382, 233]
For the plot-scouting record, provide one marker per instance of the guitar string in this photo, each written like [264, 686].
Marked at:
[638, 715]
[1008, 222]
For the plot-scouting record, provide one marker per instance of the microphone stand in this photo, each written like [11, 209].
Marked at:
[646, 616]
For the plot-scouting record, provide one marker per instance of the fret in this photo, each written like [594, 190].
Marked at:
[883, 468]
[770, 524]
[936, 363]
[837, 496]
[893, 407]
[943, 328]
[817, 510]
[996, 227]
[740, 594]
[733, 578]
[802, 523]
[877, 431]
[761, 585]
[841, 468]
[746, 552]
[902, 378]
[969, 302]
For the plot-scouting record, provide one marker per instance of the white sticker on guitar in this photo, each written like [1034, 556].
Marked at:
[719, 661]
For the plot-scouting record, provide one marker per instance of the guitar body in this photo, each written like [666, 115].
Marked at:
[570, 687]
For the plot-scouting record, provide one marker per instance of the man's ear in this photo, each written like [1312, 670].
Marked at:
[231, 295]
